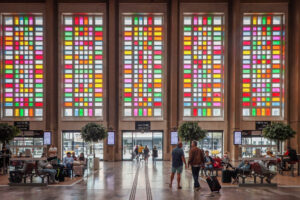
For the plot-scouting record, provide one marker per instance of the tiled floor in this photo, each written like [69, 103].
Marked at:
[118, 180]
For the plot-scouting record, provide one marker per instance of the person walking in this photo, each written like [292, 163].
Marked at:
[155, 155]
[146, 153]
[196, 160]
[177, 164]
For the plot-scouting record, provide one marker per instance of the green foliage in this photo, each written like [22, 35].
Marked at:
[8, 132]
[189, 131]
[93, 132]
[278, 131]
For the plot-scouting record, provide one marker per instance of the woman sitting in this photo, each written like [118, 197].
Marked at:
[79, 165]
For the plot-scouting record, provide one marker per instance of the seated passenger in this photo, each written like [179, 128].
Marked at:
[208, 161]
[243, 167]
[45, 167]
[74, 156]
[226, 160]
[292, 156]
[79, 165]
[266, 172]
[68, 163]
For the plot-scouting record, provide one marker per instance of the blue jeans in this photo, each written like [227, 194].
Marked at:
[195, 172]
[154, 160]
[52, 173]
[69, 167]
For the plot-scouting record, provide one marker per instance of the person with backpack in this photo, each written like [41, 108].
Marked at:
[155, 155]
[196, 160]
[292, 157]
[146, 153]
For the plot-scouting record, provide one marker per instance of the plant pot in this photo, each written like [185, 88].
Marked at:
[96, 163]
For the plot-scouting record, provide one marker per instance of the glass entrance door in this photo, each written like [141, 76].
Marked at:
[151, 139]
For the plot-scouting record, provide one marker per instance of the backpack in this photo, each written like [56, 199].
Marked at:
[15, 177]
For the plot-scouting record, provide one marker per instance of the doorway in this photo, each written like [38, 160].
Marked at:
[72, 142]
[132, 138]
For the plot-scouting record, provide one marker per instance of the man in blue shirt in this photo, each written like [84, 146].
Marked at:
[68, 163]
[177, 163]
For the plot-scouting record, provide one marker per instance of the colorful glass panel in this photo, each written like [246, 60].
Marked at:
[203, 65]
[263, 65]
[143, 65]
[23, 65]
[82, 65]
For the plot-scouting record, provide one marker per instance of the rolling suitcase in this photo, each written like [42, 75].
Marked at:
[226, 176]
[213, 184]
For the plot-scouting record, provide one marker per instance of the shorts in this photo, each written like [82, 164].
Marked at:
[177, 169]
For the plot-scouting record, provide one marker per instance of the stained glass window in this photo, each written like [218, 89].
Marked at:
[83, 65]
[203, 65]
[23, 65]
[263, 65]
[143, 65]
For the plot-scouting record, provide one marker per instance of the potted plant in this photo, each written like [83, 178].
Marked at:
[7, 132]
[189, 131]
[279, 132]
[92, 133]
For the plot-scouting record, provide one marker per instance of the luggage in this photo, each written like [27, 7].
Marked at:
[213, 184]
[226, 176]
[60, 173]
[15, 177]
[78, 170]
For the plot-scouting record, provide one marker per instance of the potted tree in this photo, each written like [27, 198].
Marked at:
[189, 131]
[279, 132]
[7, 132]
[92, 133]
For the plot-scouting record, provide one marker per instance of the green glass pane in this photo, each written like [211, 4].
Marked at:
[253, 112]
[264, 20]
[68, 38]
[140, 112]
[127, 99]
[80, 112]
[68, 33]
[209, 20]
[187, 28]
[157, 94]
[217, 38]
[68, 94]
[136, 21]
[98, 28]
[17, 104]
[26, 20]
[204, 112]
[276, 71]
[246, 99]
[21, 112]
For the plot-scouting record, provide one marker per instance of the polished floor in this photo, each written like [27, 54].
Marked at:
[129, 180]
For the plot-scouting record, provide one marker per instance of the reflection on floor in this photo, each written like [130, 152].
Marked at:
[118, 180]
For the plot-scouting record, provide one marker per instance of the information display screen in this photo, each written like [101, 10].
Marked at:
[174, 138]
[237, 137]
[47, 138]
[111, 138]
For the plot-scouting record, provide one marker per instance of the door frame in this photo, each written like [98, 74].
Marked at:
[155, 131]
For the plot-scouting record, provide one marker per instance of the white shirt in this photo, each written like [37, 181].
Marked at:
[51, 150]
